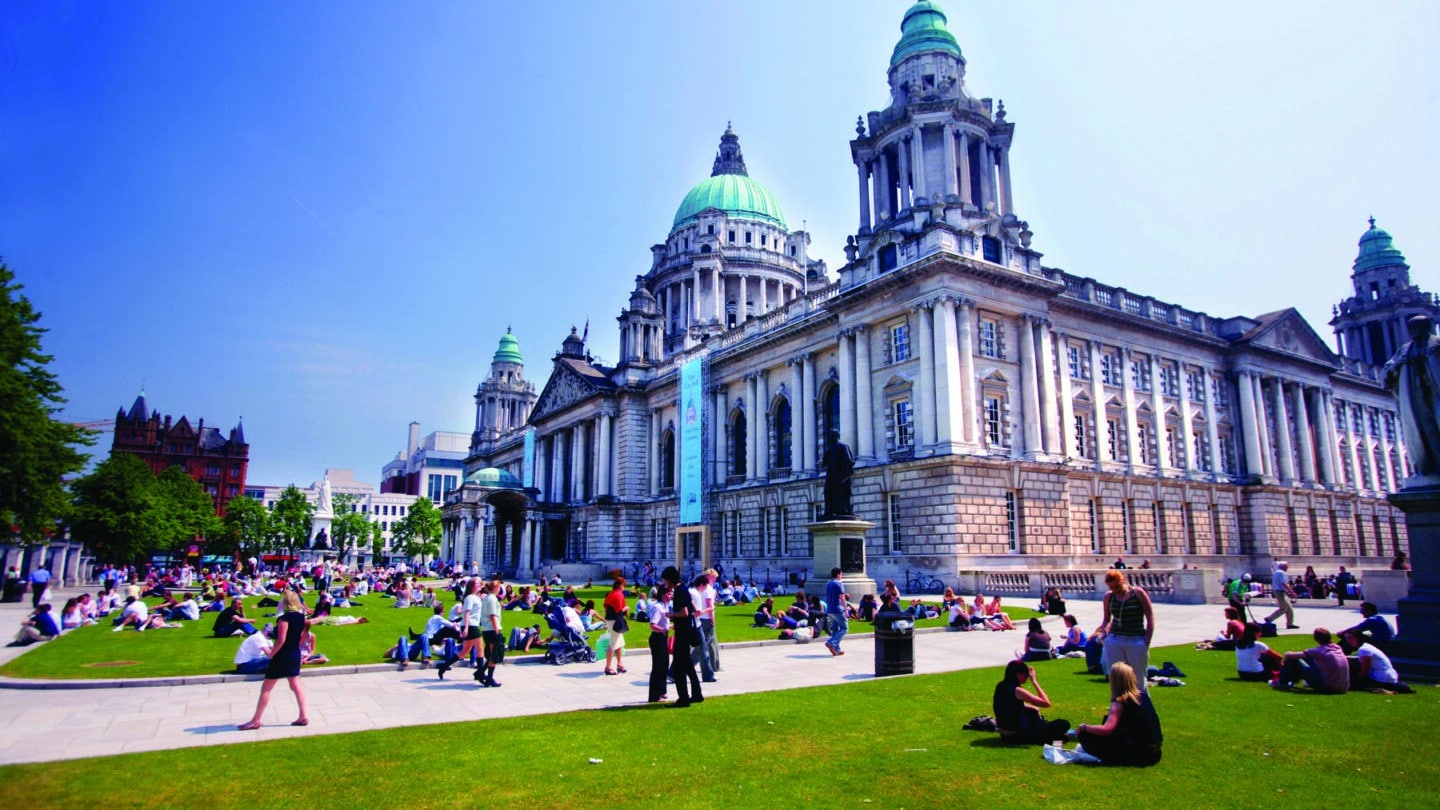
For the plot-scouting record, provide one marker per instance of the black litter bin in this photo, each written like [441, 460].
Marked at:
[894, 643]
[14, 590]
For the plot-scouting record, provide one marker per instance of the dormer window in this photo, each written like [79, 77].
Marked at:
[732, 236]
[888, 259]
[990, 249]
[749, 237]
[710, 230]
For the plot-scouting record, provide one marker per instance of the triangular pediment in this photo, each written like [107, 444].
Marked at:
[566, 387]
[1287, 332]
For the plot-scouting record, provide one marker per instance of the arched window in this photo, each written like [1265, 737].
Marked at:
[738, 444]
[667, 459]
[782, 434]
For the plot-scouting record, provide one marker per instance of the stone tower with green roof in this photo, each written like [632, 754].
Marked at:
[503, 400]
[1370, 325]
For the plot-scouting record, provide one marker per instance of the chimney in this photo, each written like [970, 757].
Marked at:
[414, 443]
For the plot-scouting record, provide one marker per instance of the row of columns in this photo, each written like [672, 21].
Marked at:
[910, 183]
[502, 413]
[682, 300]
[586, 450]
[1354, 439]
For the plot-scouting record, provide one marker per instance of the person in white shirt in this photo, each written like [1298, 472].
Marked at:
[704, 598]
[1376, 670]
[136, 614]
[253, 656]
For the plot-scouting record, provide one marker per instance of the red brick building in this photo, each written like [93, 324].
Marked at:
[216, 462]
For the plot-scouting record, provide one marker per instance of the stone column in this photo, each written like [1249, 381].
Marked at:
[1302, 431]
[764, 294]
[1353, 478]
[1370, 443]
[718, 424]
[847, 389]
[1187, 421]
[604, 456]
[1212, 424]
[755, 418]
[1325, 432]
[1132, 426]
[577, 463]
[798, 428]
[655, 427]
[1097, 395]
[902, 192]
[762, 425]
[1049, 438]
[1267, 450]
[806, 411]
[987, 183]
[1282, 433]
[925, 412]
[966, 316]
[1157, 414]
[1007, 202]
[876, 186]
[919, 190]
[885, 187]
[1029, 393]
[947, 155]
[1254, 462]
[717, 286]
[862, 168]
[864, 417]
[1385, 447]
[966, 196]
[949, 393]
[1068, 447]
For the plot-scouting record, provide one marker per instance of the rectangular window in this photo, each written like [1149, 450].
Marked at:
[782, 527]
[1173, 451]
[212, 469]
[990, 248]
[1227, 455]
[1142, 438]
[1012, 521]
[1157, 516]
[1294, 530]
[1082, 441]
[1126, 513]
[1112, 442]
[1187, 513]
[1314, 531]
[1215, 535]
[989, 338]
[897, 535]
[1334, 533]
[993, 414]
[1079, 363]
[1359, 535]
[1202, 451]
[904, 425]
[1169, 381]
[1140, 375]
[1095, 525]
[1340, 414]
[732, 236]
[1195, 386]
[1110, 369]
[900, 342]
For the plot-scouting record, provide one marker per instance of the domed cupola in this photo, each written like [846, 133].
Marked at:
[923, 31]
[731, 190]
[1377, 249]
[509, 350]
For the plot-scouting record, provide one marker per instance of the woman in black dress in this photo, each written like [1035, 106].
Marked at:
[284, 660]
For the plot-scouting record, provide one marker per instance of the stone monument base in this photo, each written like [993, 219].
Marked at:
[1416, 648]
[840, 543]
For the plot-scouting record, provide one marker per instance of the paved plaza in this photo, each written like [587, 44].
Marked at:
[43, 724]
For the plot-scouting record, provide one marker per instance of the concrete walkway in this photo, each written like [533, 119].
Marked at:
[53, 724]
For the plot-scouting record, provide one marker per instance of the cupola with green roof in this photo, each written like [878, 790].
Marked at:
[509, 350]
[923, 31]
[730, 189]
[1377, 249]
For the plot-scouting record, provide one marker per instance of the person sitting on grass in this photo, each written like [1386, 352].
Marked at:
[308, 655]
[253, 656]
[1374, 630]
[523, 639]
[233, 620]
[1374, 668]
[1254, 661]
[1037, 643]
[996, 618]
[135, 614]
[188, 610]
[1131, 733]
[1323, 667]
[73, 614]
[1230, 635]
[591, 619]
[959, 616]
[866, 609]
[1074, 637]
[1017, 709]
[38, 626]
[765, 614]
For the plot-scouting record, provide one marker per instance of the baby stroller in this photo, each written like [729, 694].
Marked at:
[567, 646]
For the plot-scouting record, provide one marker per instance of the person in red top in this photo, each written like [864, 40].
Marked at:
[1234, 629]
[615, 608]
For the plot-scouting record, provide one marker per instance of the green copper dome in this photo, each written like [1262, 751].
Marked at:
[1377, 249]
[923, 30]
[494, 477]
[509, 351]
[738, 196]
[731, 190]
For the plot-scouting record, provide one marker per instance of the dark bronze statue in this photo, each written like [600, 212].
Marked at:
[1413, 375]
[839, 466]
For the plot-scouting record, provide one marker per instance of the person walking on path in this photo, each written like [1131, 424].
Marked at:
[1280, 586]
[492, 633]
[682, 617]
[659, 615]
[615, 627]
[284, 661]
[1128, 624]
[704, 595]
[39, 582]
[837, 611]
[471, 635]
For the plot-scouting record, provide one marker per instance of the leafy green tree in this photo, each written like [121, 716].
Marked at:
[36, 450]
[291, 518]
[245, 529]
[188, 512]
[116, 510]
[417, 534]
[351, 528]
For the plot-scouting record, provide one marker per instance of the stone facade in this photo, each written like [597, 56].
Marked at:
[1003, 414]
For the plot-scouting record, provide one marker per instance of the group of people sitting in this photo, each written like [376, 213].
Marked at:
[977, 614]
[1130, 734]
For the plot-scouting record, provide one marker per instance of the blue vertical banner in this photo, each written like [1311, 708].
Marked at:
[692, 445]
[527, 470]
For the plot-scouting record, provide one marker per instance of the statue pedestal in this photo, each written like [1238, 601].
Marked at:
[840, 543]
[1416, 649]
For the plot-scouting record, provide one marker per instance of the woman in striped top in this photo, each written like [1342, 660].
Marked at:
[1128, 624]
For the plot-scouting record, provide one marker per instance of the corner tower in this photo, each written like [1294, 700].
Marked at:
[503, 401]
[936, 154]
[1370, 325]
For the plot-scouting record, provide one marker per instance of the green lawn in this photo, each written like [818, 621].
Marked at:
[97, 652]
[893, 742]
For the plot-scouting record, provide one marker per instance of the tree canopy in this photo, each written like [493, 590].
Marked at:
[351, 528]
[245, 530]
[37, 451]
[123, 511]
[417, 534]
[291, 518]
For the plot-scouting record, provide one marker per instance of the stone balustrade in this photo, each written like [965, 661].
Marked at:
[1187, 586]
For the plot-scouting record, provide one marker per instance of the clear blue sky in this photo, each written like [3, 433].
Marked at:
[322, 216]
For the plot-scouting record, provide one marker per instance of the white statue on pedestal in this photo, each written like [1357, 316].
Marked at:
[324, 505]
